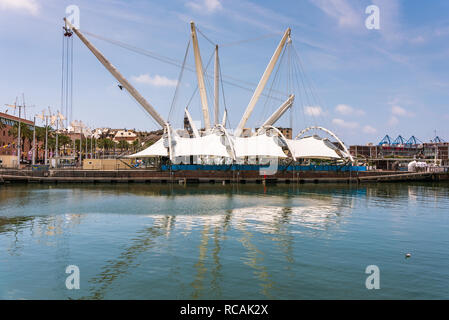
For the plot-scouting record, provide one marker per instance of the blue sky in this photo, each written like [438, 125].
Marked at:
[368, 83]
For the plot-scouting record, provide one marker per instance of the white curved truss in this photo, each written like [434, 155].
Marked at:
[331, 134]
[231, 144]
[282, 137]
[167, 130]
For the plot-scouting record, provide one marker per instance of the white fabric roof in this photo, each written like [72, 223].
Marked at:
[315, 148]
[209, 145]
[260, 145]
[155, 150]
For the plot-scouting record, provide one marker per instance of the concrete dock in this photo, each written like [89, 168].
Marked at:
[221, 177]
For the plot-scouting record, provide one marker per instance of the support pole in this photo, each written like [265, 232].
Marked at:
[192, 124]
[216, 87]
[46, 140]
[33, 160]
[223, 121]
[19, 146]
[279, 112]
[136, 95]
[200, 77]
[57, 145]
[263, 81]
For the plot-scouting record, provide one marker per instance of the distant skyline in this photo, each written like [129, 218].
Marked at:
[369, 83]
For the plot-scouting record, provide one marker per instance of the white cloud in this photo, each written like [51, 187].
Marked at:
[393, 121]
[156, 81]
[345, 124]
[313, 111]
[340, 10]
[369, 130]
[208, 6]
[28, 6]
[397, 110]
[418, 40]
[348, 110]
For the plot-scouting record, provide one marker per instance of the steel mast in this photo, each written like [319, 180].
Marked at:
[136, 95]
[200, 76]
[263, 81]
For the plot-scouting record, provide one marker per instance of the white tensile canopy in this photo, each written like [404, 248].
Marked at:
[209, 145]
[155, 150]
[261, 145]
[315, 148]
[212, 145]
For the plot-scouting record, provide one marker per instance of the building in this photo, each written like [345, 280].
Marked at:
[8, 143]
[393, 155]
[125, 135]
[287, 132]
[438, 151]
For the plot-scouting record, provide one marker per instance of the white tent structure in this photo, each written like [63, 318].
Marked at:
[314, 147]
[260, 145]
[155, 150]
[209, 145]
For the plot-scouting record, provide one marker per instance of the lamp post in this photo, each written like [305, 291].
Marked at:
[33, 160]
[46, 141]
[19, 147]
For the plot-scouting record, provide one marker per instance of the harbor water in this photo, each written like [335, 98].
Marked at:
[163, 241]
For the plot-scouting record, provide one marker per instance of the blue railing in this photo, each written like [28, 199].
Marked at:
[249, 167]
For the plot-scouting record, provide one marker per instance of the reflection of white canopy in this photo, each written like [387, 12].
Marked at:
[210, 145]
[315, 148]
[155, 150]
[261, 145]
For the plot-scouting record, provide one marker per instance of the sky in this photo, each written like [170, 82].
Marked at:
[360, 83]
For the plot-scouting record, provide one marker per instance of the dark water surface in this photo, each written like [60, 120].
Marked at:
[143, 241]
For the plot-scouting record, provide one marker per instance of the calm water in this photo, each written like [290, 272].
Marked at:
[142, 241]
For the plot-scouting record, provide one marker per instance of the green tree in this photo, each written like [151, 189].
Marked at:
[136, 145]
[106, 144]
[64, 141]
[25, 133]
[123, 145]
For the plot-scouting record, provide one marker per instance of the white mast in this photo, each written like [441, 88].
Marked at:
[200, 77]
[141, 100]
[192, 124]
[280, 111]
[263, 81]
[223, 121]
[216, 87]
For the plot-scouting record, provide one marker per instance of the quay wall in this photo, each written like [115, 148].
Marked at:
[213, 176]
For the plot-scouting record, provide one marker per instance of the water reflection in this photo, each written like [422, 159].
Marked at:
[263, 222]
